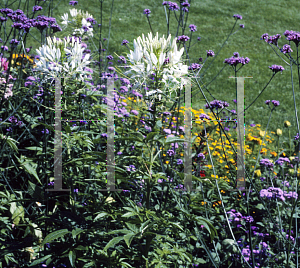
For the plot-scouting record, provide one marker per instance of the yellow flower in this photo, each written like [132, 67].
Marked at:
[257, 172]
[262, 133]
[167, 162]
[279, 132]
[287, 124]
[214, 176]
[274, 154]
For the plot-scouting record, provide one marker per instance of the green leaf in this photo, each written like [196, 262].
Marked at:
[100, 215]
[76, 232]
[72, 258]
[113, 242]
[150, 136]
[128, 238]
[173, 140]
[35, 191]
[229, 245]
[129, 214]
[34, 148]
[55, 235]
[132, 227]
[40, 260]
[29, 166]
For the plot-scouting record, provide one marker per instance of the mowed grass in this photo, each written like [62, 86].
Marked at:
[214, 22]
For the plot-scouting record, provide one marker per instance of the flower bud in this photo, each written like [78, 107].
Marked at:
[287, 124]
[279, 132]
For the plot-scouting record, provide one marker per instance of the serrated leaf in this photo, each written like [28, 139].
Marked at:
[113, 242]
[55, 235]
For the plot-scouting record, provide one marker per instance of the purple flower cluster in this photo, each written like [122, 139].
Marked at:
[37, 8]
[281, 160]
[146, 12]
[73, 3]
[182, 38]
[210, 53]
[237, 16]
[290, 195]
[238, 217]
[272, 192]
[286, 49]
[124, 42]
[172, 5]
[195, 66]
[276, 68]
[131, 168]
[236, 59]
[193, 28]
[292, 36]
[204, 116]
[266, 163]
[271, 39]
[217, 104]
[20, 21]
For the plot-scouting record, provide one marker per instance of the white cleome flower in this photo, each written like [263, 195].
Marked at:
[60, 57]
[65, 18]
[157, 55]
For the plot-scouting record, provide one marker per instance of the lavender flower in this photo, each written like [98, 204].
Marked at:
[195, 66]
[182, 38]
[266, 162]
[173, 6]
[124, 42]
[242, 25]
[204, 116]
[237, 16]
[276, 68]
[37, 8]
[275, 103]
[286, 49]
[146, 12]
[210, 53]
[73, 3]
[281, 160]
[193, 28]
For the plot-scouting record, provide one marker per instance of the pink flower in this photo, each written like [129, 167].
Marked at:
[4, 64]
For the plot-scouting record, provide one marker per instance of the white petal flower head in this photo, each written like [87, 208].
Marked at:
[65, 18]
[74, 12]
[52, 63]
